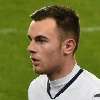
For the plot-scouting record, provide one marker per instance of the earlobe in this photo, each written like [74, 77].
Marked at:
[69, 46]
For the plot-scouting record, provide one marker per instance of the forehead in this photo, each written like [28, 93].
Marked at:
[43, 27]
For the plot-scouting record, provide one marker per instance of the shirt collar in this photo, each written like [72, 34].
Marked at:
[64, 80]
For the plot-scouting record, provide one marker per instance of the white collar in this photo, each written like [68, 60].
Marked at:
[62, 81]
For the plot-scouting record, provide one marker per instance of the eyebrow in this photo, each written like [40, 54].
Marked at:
[38, 37]
[41, 36]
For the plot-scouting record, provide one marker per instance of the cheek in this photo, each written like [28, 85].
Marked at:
[51, 56]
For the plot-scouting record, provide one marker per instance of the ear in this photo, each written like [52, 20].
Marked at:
[69, 46]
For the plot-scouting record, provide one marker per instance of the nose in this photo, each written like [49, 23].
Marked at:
[31, 47]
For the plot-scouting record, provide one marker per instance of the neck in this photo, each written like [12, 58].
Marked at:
[62, 71]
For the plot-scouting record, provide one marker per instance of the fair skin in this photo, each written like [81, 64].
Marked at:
[49, 54]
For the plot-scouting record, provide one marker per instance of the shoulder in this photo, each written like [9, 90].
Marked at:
[91, 84]
[38, 82]
[36, 87]
[88, 83]
[91, 79]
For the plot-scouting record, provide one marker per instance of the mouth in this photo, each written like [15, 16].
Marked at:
[35, 61]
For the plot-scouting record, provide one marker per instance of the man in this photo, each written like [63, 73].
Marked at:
[54, 36]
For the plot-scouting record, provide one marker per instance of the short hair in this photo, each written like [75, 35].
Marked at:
[66, 19]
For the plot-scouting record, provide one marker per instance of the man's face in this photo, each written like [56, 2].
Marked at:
[44, 47]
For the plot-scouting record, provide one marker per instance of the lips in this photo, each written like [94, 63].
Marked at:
[35, 61]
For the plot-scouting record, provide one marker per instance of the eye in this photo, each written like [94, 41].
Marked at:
[29, 38]
[41, 39]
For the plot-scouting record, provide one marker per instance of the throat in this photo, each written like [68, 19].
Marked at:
[56, 87]
[60, 72]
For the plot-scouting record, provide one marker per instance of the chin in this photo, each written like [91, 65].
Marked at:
[39, 71]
